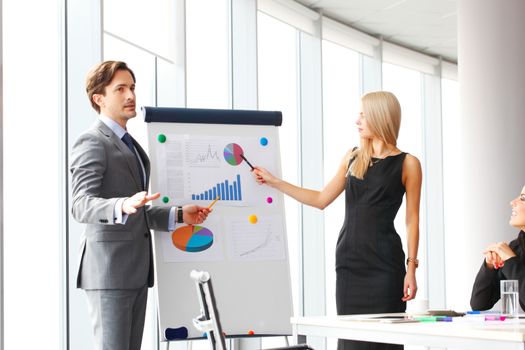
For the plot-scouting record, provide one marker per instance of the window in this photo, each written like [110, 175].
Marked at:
[406, 85]
[278, 91]
[207, 42]
[145, 24]
[148, 45]
[340, 110]
[143, 52]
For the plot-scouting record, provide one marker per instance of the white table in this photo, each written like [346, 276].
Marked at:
[462, 333]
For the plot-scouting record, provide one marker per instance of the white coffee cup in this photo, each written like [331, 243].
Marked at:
[417, 306]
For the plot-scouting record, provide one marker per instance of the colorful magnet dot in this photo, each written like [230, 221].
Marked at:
[269, 200]
[165, 199]
[253, 219]
[161, 138]
[263, 141]
[251, 332]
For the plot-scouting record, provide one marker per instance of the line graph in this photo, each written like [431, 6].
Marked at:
[261, 241]
[203, 153]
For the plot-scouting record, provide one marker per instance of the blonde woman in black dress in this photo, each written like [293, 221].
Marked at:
[370, 262]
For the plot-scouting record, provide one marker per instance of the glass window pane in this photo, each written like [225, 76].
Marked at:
[278, 91]
[207, 45]
[143, 65]
[147, 24]
[340, 110]
[406, 85]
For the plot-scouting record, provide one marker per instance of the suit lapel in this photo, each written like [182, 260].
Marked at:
[121, 147]
[145, 161]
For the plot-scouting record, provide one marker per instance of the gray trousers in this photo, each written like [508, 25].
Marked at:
[118, 317]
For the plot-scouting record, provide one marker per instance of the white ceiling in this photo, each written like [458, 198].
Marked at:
[428, 26]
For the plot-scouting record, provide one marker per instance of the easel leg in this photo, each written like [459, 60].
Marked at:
[299, 338]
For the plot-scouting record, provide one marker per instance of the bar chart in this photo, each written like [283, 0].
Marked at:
[226, 191]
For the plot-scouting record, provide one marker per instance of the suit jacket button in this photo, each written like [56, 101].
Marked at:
[146, 235]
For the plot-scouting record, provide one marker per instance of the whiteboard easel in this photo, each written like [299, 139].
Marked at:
[251, 277]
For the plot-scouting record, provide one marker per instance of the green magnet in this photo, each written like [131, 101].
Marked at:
[161, 138]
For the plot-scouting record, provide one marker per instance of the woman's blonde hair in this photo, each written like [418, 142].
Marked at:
[382, 113]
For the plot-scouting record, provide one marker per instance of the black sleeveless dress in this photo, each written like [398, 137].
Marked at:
[370, 262]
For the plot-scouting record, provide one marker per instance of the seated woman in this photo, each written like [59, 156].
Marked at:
[502, 262]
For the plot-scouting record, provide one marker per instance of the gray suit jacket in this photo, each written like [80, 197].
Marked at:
[112, 256]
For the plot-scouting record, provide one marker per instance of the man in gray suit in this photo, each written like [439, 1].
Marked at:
[110, 175]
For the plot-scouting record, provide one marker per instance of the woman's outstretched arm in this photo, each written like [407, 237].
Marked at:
[318, 199]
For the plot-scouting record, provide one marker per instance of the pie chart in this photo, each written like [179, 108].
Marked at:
[192, 239]
[232, 154]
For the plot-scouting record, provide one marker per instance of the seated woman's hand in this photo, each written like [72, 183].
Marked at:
[492, 260]
[497, 253]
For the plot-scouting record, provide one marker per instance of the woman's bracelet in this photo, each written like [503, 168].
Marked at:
[413, 260]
